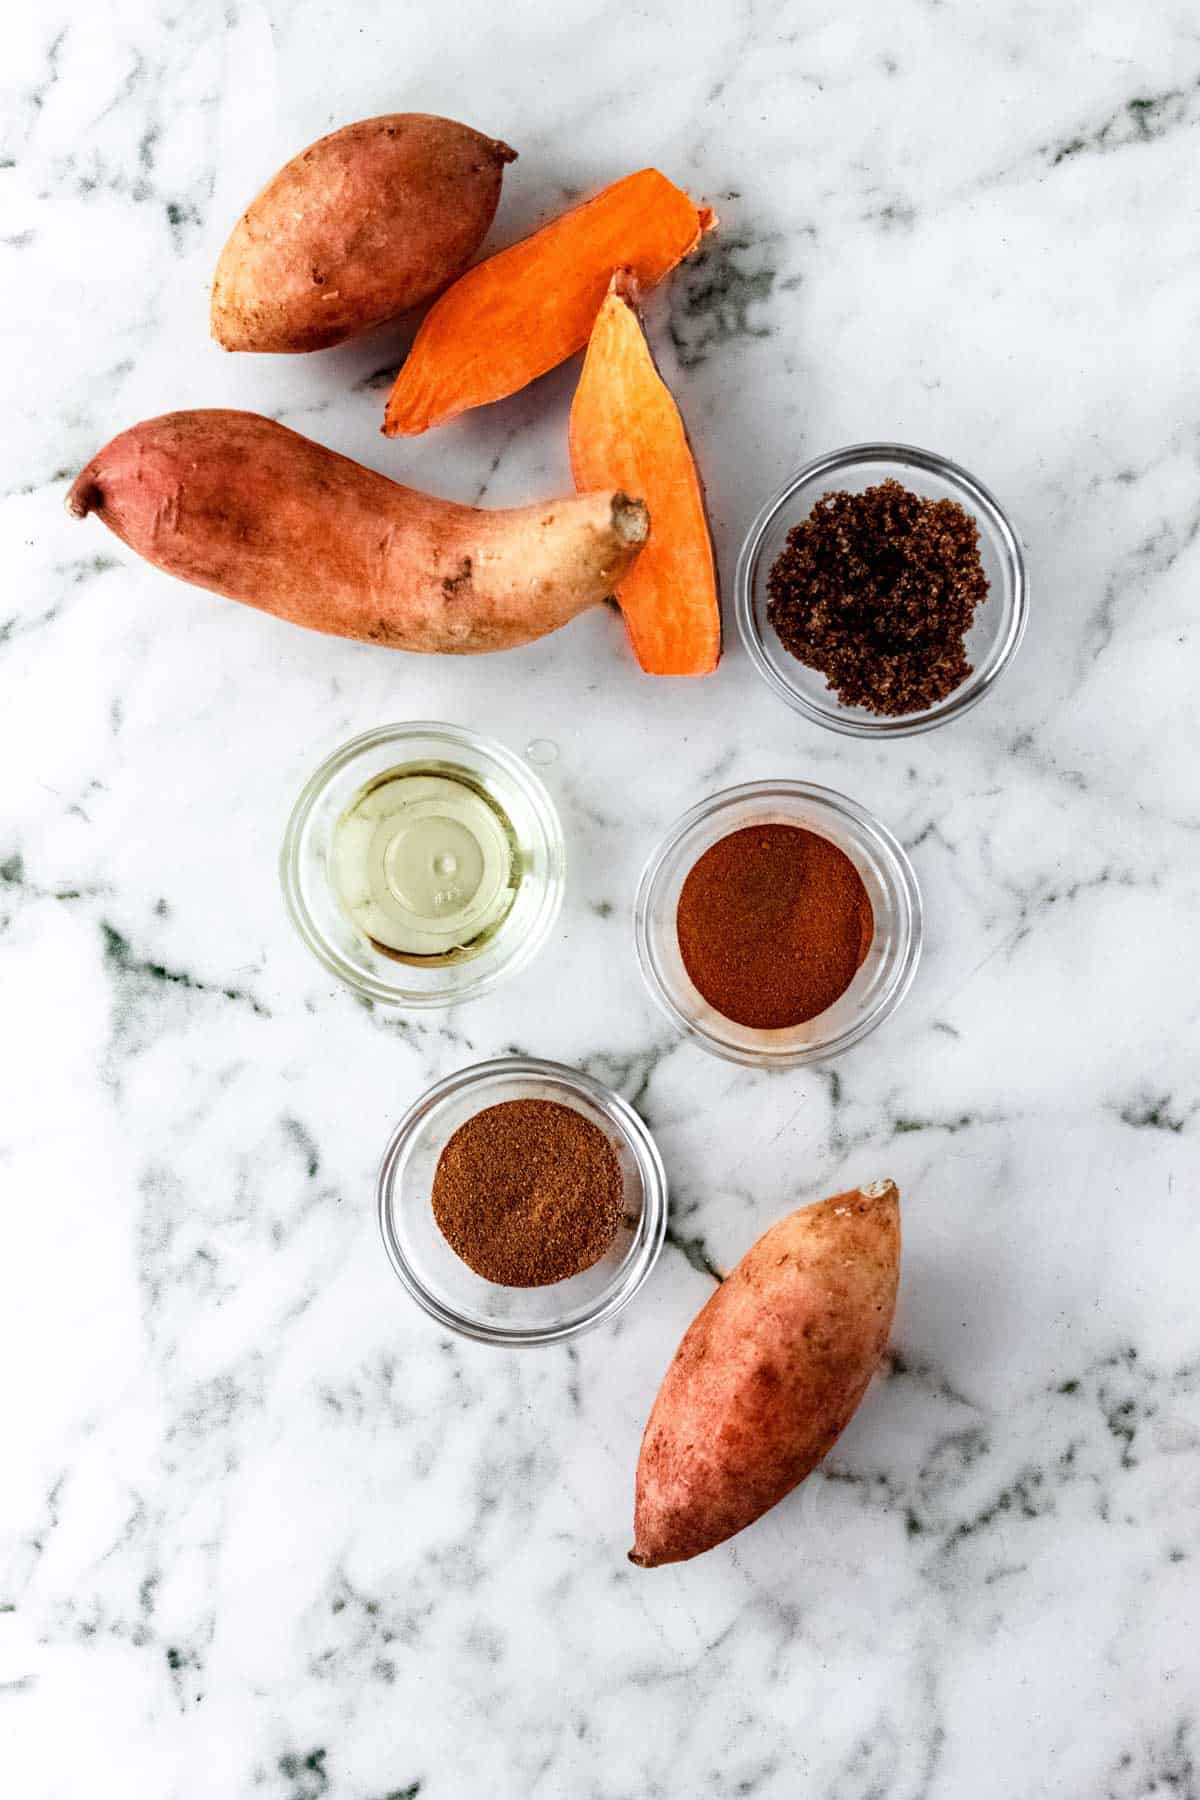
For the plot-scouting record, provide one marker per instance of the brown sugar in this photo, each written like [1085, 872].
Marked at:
[877, 591]
[528, 1192]
[773, 924]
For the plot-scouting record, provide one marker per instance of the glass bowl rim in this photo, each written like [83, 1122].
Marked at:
[840, 805]
[461, 737]
[638, 1139]
[981, 499]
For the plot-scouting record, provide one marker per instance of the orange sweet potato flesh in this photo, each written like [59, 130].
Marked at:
[241, 505]
[626, 428]
[362, 225]
[769, 1373]
[521, 313]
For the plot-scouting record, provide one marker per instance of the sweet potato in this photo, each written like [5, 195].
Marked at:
[769, 1373]
[626, 429]
[362, 225]
[241, 505]
[520, 313]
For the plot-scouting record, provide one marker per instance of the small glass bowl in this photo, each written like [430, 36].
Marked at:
[316, 912]
[442, 1283]
[999, 621]
[879, 985]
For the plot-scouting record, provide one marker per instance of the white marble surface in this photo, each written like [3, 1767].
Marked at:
[266, 1529]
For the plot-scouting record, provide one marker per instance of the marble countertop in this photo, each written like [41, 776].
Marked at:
[269, 1531]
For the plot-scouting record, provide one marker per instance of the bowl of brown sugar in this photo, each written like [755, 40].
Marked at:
[882, 591]
[522, 1202]
[778, 923]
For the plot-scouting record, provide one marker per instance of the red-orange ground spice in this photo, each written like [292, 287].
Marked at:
[773, 924]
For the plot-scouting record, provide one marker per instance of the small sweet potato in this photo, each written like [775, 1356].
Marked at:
[238, 504]
[367, 222]
[769, 1373]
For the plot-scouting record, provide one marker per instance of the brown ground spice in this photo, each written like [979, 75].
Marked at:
[877, 590]
[528, 1193]
[773, 923]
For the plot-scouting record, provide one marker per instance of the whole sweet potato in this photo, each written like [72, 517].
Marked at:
[236, 503]
[365, 223]
[769, 1373]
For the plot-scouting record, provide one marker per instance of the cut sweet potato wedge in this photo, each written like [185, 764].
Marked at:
[626, 432]
[521, 313]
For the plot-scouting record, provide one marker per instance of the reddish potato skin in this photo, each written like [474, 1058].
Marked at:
[768, 1374]
[364, 224]
[233, 502]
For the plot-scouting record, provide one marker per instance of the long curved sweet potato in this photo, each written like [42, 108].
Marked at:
[769, 1373]
[238, 504]
[524, 311]
[365, 223]
[626, 432]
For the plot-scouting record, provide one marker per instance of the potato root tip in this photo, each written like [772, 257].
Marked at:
[631, 519]
[85, 496]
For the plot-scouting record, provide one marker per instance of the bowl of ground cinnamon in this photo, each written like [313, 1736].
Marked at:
[522, 1202]
[778, 923]
[882, 591]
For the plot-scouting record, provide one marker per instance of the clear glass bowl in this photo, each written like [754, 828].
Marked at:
[316, 912]
[443, 1284]
[879, 985]
[999, 622]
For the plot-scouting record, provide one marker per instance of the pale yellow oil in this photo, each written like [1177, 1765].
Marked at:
[426, 864]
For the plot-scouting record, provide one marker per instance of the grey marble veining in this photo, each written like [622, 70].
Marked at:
[265, 1529]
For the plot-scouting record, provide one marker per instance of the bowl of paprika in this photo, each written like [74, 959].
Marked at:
[778, 923]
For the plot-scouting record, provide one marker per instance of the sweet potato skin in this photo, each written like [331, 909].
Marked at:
[362, 225]
[768, 1374]
[238, 504]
